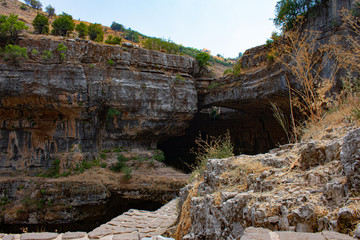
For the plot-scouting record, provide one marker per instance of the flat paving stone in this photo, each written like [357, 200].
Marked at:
[8, 237]
[300, 236]
[99, 233]
[38, 236]
[121, 230]
[335, 236]
[127, 236]
[73, 235]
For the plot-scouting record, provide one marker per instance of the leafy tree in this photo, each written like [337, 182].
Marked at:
[117, 27]
[41, 24]
[82, 29]
[14, 53]
[288, 11]
[114, 40]
[63, 25]
[95, 32]
[203, 59]
[34, 4]
[50, 10]
[10, 28]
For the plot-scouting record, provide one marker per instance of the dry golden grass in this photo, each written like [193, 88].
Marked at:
[236, 179]
[334, 121]
[184, 225]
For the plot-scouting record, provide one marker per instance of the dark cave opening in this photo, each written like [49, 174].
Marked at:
[251, 133]
[113, 208]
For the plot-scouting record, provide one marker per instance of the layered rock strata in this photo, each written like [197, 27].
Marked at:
[96, 96]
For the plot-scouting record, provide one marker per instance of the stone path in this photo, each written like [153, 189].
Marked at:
[265, 234]
[131, 225]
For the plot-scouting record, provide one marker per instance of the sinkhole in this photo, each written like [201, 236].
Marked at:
[113, 208]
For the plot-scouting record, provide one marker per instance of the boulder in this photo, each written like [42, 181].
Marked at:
[350, 158]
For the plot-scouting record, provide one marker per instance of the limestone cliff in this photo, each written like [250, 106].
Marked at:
[97, 96]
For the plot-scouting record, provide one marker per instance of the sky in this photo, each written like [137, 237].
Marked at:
[225, 27]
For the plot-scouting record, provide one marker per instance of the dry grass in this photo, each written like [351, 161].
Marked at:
[184, 225]
[334, 121]
[236, 179]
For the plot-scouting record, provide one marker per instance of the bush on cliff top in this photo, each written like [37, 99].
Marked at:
[287, 12]
[41, 24]
[10, 28]
[63, 25]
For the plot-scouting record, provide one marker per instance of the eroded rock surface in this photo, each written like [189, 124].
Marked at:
[48, 106]
[297, 187]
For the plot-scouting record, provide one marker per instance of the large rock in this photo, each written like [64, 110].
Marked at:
[350, 158]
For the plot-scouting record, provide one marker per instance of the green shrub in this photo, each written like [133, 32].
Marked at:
[120, 164]
[23, 7]
[103, 165]
[213, 85]
[132, 35]
[161, 45]
[127, 173]
[103, 156]
[14, 53]
[111, 62]
[50, 10]
[34, 52]
[203, 58]
[111, 113]
[96, 32]
[41, 24]
[63, 25]
[159, 156]
[47, 55]
[113, 40]
[61, 49]
[82, 30]
[179, 79]
[117, 27]
[228, 71]
[10, 28]
[34, 4]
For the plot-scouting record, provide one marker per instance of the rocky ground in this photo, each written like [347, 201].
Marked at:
[310, 186]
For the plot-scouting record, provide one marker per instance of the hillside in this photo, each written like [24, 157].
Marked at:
[8, 7]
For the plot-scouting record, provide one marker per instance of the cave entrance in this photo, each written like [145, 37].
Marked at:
[251, 133]
[114, 207]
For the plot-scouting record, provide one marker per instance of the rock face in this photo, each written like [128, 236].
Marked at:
[98, 97]
[281, 190]
[350, 158]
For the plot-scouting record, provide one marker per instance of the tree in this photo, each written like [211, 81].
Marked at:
[14, 53]
[95, 32]
[34, 4]
[50, 10]
[203, 58]
[82, 29]
[41, 24]
[288, 11]
[10, 28]
[117, 27]
[63, 25]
